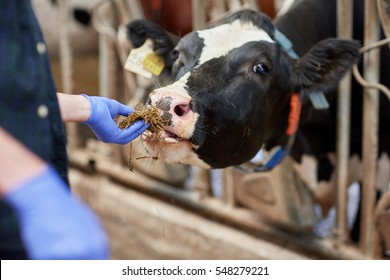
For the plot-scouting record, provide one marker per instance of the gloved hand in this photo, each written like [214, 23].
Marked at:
[53, 223]
[101, 121]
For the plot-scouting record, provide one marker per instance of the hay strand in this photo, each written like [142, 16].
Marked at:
[150, 114]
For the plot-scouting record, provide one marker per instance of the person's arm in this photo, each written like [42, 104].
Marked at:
[73, 108]
[17, 163]
[99, 113]
[53, 223]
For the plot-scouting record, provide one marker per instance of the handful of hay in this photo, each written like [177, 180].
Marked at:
[149, 113]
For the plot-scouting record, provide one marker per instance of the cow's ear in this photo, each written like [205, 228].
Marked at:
[163, 41]
[325, 64]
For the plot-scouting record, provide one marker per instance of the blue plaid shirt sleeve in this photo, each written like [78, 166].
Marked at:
[28, 102]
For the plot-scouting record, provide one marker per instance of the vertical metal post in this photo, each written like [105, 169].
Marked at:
[66, 68]
[107, 57]
[228, 191]
[108, 65]
[199, 18]
[370, 129]
[344, 30]
[135, 9]
[233, 5]
[65, 49]
[252, 4]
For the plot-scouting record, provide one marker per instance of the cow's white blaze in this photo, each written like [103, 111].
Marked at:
[219, 40]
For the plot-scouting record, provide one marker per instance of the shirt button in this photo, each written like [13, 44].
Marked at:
[41, 48]
[43, 111]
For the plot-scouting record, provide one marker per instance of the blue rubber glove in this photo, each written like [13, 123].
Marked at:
[53, 223]
[101, 121]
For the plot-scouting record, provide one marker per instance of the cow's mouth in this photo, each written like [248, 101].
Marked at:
[164, 137]
[170, 137]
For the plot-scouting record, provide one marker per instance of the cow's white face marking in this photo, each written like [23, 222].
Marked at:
[185, 125]
[180, 84]
[172, 150]
[221, 39]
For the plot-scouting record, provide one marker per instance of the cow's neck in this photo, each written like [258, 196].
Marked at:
[278, 120]
[308, 22]
[305, 24]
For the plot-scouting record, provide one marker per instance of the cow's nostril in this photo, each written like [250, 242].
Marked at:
[181, 109]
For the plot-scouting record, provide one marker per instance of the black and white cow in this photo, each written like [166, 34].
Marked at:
[232, 88]
[81, 34]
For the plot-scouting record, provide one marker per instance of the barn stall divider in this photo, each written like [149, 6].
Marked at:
[162, 211]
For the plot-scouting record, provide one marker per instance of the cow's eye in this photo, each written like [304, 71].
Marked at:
[260, 68]
[175, 54]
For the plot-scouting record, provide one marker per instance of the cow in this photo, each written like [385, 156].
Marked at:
[239, 87]
[81, 34]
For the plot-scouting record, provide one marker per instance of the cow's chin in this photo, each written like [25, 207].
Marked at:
[171, 148]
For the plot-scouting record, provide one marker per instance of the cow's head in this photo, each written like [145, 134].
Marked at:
[231, 86]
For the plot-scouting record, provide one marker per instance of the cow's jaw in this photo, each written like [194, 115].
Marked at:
[172, 150]
[173, 144]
